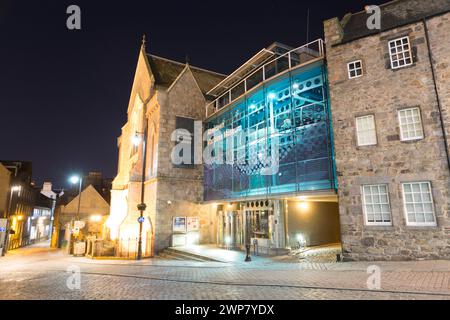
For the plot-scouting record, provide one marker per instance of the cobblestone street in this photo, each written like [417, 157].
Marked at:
[40, 273]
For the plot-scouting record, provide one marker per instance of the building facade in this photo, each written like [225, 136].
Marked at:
[165, 95]
[283, 107]
[313, 145]
[89, 207]
[29, 213]
[390, 100]
[275, 176]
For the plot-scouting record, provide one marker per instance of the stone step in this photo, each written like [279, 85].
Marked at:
[178, 255]
[189, 255]
[164, 255]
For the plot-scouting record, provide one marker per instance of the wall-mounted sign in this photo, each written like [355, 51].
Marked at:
[192, 224]
[179, 224]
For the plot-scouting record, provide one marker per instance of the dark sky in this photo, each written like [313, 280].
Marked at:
[64, 94]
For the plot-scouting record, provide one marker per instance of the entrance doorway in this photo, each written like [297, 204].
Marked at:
[230, 233]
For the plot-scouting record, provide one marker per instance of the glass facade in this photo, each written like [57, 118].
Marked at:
[274, 140]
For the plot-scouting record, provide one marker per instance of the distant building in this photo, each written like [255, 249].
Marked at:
[93, 212]
[22, 202]
[29, 212]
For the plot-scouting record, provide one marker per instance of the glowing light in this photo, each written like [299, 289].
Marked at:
[20, 218]
[300, 238]
[74, 179]
[16, 188]
[303, 205]
[96, 218]
[228, 240]
[136, 140]
[230, 206]
[252, 106]
[295, 86]
[271, 96]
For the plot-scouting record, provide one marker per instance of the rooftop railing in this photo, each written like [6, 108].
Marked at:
[295, 58]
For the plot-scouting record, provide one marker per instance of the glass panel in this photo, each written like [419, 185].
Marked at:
[280, 135]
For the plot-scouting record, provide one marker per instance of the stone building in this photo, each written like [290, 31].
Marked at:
[278, 94]
[165, 95]
[93, 213]
[390, 101]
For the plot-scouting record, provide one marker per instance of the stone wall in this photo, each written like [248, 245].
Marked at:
[182, 187]
[381, 92]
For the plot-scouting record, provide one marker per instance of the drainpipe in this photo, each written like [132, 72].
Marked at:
[438, 100]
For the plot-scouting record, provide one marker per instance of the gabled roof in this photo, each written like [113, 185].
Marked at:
[393, 14]
[87, 190]
[166, 72]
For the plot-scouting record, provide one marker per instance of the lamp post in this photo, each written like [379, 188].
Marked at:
[74, 180]
[8, 215]
[247, 238]
[141, 206]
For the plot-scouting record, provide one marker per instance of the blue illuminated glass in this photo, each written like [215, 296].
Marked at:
[287, 118]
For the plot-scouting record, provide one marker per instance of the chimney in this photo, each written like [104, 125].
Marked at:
[47, 186]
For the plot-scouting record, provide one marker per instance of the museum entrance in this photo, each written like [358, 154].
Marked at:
[249, 221]
[230, 233]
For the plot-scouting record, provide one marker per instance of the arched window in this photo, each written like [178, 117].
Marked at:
[136, 123]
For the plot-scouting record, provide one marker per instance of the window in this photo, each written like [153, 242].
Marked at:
[418, 204]
[365, 130]
[185, 138]
[377, 210]
[355, 69]
[400, 53]
[410, 124]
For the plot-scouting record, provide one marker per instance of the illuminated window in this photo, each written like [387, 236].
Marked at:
[355, 69]
[365, 130]
[418, 204]
[400, 53]
[376, 206]
[410, 124]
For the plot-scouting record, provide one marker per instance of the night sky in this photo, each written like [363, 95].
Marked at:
[64, 94]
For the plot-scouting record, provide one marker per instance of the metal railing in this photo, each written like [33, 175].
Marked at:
[291, 59]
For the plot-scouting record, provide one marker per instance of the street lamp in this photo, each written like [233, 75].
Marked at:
[74, 180]
[137, 139]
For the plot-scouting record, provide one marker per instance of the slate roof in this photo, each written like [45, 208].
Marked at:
[166, 71]
[394, 14]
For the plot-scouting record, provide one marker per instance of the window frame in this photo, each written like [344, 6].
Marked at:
[402, 138]
[363, 202]
[405, 211]
[374, 129]
[402, 52]
[355, 69]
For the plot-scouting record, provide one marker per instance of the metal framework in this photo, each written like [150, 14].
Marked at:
[292, 59]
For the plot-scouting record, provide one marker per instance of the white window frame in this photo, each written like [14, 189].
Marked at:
[400, 51]
[402, 138]
[351, 66]
[358, 131]
[419, 224]
[363, 197]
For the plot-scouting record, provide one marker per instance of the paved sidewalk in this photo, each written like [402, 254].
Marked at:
[43, 274]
